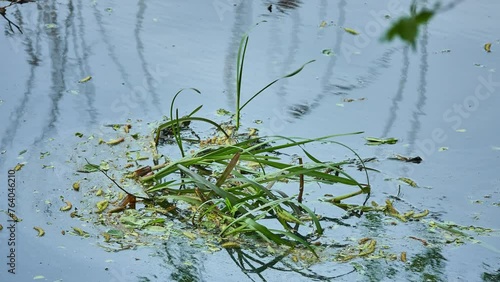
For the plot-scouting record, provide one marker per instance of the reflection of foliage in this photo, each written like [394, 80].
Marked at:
[433, 260]
[183, 262]
[491, 277]
[379, 270]
[406, 27]
[253, 262]
[284, 5]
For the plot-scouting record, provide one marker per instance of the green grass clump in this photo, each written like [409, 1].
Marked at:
[228, 186]
[234, 183]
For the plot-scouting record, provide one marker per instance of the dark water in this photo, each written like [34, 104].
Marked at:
[140, 54]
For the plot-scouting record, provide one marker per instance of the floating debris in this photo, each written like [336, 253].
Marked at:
[349, 100]
[327, 52]
[88, 168]
[67, 207]
[117, 141]
[102, 205]
[19, 166]
[420, 215]
[351, 31]
[14, 217]
[424, 242]
[41, 232]
[408, 181]
[85, 79]
[487, 47]
[80, 232]
[230, 245]
[223, 112]
[416, 159]
[127, 128]
[373, 141]
[366, 246]
[44, 154]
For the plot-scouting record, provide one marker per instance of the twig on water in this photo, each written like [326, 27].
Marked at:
[118, 185]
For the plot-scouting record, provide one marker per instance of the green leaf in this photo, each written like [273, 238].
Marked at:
[424, 16]
[380, 141]
[202, 183]
[265, 232]
[88, 168]
[407, 27]
[104, 165]
[351, 31]
[116, 233]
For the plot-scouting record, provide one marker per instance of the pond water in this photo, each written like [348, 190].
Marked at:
[438, 99]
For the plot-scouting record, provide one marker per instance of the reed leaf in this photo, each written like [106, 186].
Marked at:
[202, 183]
[265, 232]
[273, 82]
[243, 217]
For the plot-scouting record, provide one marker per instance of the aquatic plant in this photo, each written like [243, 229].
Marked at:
[233, 185]
[228, 181]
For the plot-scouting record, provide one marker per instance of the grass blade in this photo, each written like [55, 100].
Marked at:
[239, 75]
[266, 232]
[175, 97]
[203, 183]
[177, 122]
[244, 216]
[276, 80]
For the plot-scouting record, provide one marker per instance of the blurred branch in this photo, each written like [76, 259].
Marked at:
[3, 11]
